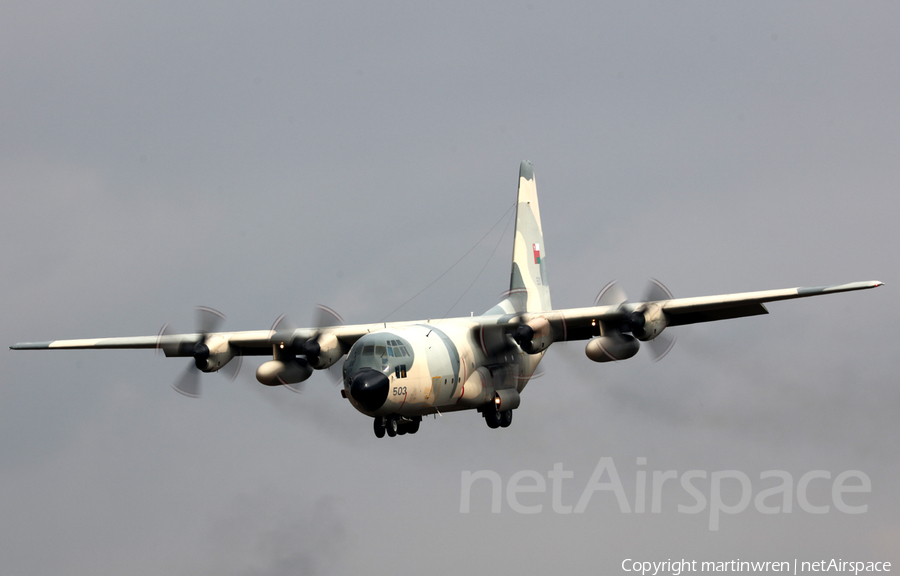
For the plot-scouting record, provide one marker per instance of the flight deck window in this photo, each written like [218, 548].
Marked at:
[380, 351]
[368, 350]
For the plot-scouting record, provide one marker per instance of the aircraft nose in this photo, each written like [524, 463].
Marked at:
[369, 387]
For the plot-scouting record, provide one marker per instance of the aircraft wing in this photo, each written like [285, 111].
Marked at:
[247, 343]
[568, 324]
[582, 323]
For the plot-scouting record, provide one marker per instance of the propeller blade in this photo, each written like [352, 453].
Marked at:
[657, 291]
[282, 327]
[611, 295]
[161, 344]
[495, 340]
[208, 319]
[336, 373]
[326, 318]
[233, 368]
[660, 346]
[189, 383]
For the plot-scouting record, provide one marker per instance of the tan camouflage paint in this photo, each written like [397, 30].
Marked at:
[457, 365]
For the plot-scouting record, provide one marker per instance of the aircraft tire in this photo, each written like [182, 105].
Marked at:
[392, 426]
[506, 418]
[413, 426]
[492, 417]
[379, 427]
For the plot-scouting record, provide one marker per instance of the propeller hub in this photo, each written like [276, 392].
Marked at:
[636, 321]
[524, 333]
[311, 348]
[201, 355]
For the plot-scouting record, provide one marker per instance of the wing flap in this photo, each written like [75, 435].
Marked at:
[680, 318]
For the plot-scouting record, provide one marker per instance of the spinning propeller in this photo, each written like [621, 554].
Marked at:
[211, 353]
[636, 318]
[318, 350]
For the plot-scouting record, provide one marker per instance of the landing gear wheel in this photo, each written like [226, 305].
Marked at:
[379, 427]
[392, 426]
[402, 428]
[492, 417]
[506, 418]
[413, 426]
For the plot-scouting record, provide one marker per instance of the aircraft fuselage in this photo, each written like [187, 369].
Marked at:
[420, 369]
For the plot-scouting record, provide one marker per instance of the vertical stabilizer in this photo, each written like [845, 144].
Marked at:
[529, 289]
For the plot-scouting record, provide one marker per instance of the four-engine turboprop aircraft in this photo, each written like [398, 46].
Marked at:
[398, 372]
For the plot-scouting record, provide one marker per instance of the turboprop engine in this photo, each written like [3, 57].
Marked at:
[648, 323]
[322, 352]
[294, 362]
[534, 336]
[212, 354]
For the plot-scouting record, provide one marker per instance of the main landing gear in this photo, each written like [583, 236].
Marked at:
[496, 418]
[395, 425]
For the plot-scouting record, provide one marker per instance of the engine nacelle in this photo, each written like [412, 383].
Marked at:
[212, 354]
[610, 348]
[649, 323]
[534, 336]
[323, 352]
[289, 371]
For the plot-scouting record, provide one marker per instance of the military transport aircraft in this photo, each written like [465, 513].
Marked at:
[398, 372]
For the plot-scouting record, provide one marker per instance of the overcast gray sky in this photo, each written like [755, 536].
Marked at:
[262, 158]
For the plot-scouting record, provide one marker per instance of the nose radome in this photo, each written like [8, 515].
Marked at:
[369, 387]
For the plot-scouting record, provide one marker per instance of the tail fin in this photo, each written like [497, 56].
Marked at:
[529, 289]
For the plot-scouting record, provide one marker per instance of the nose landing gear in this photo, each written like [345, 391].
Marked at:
[395, 425]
